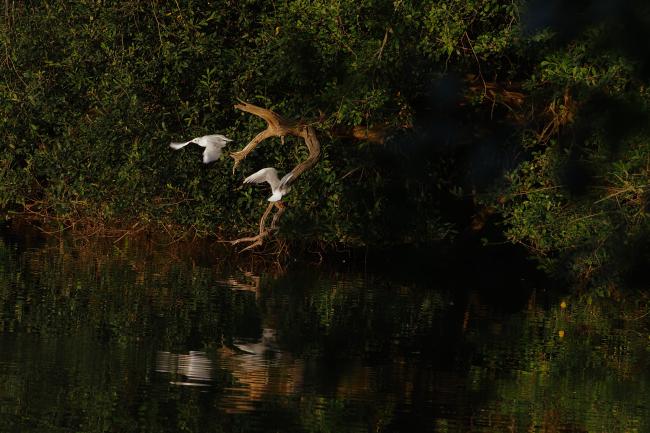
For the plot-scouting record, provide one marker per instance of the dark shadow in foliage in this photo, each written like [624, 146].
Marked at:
[634, 260]
[576, 175]
[626, 25]
[388, 184]
[473, 154]
[295, 64]
[491, 157]
[616, 120]
[483, 150]
[567, 18]
[646, 200]
[438, 120]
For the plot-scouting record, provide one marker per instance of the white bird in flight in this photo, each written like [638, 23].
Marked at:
[279, 187]
[212, 143]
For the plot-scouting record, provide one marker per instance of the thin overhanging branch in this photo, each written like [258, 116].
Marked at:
[277, 126]
[240, 155]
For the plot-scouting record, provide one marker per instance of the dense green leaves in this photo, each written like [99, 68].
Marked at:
[579, 200]
[94, 91]
[537, 111]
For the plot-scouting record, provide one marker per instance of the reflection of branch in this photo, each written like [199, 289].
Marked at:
[277, 126]
[259, 369]
[247, 286]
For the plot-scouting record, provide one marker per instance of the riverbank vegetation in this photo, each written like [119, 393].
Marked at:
[522, 122]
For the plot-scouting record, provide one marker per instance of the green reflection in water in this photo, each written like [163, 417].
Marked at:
[102, 337]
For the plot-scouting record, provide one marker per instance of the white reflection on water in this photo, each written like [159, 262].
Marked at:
[194, 369]
[252, 284]
[261, 371]
[266, 344]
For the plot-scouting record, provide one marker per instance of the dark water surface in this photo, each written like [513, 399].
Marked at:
[97, 336]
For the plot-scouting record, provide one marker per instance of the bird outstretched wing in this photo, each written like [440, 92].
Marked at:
[286, 180]
[213, 145]
[212, 153]
[217, 139]
[268, 174]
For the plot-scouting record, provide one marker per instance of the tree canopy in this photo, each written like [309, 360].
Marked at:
[525, 120]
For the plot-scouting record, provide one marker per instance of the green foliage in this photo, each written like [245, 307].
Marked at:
[578, 200]
[538, 113]
[597, 230]
[93, 92]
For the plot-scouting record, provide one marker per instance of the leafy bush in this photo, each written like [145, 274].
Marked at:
[538, 112]
[94, 92]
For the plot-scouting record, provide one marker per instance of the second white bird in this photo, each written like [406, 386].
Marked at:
[279, 187]
[212, 143]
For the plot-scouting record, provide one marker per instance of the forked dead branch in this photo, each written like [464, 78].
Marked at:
[277, 126]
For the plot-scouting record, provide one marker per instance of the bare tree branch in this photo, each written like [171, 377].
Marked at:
[277, 126]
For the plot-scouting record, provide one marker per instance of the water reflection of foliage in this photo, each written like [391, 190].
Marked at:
[341, 317]
[89, 319]
[87, 323]
[102, 312]
[119, 293]
[581, 367]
